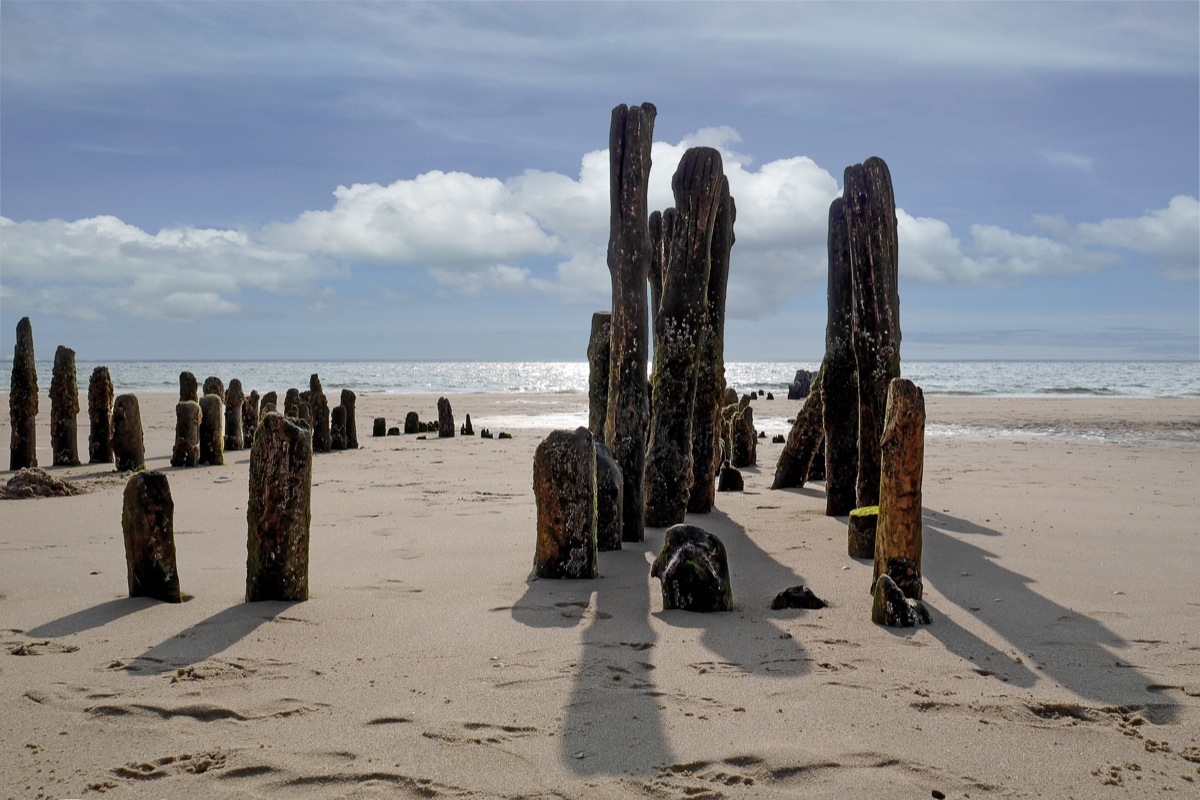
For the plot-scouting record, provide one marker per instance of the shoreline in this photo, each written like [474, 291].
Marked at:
[1060, 661]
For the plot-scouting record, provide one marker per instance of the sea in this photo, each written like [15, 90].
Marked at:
[959, 378]
[1063, 379]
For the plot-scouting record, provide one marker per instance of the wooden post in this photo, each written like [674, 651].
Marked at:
[445, 427]
[23, 400]
[871, 213]
[318, 405]
[234, 399]
[598, 359]
[681, 315]
[186, 452]
[630, 136]
[564, 486]
[148, 521]
[609, 503]
[212, 430]
[348, 401]
[898, 534]
[279, 511]
[803, 441]
[100, 408]
[839, 375]
[129, 449]
[64, 409]
[860, 532]
[710, 355]
[188, 387]
[694, 570]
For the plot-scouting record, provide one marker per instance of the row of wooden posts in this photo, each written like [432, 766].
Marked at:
[862, 419]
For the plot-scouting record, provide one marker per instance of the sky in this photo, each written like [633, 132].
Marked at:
[408, 180]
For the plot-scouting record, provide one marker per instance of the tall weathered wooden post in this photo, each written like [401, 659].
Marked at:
[100, 408]
[839, 374]
[148, 522]
[710, 357]
[23, 400]
[681, 316]
[630, 136]
[871, 213]
[64, 409]
[598, 355]
[898, 532]
[279, 511]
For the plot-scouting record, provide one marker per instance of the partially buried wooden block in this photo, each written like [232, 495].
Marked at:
[861, 532]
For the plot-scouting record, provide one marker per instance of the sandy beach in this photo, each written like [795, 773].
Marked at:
[1060, 556]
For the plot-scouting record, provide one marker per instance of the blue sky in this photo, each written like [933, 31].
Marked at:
[405, 180]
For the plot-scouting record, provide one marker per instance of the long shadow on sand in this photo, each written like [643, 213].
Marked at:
[94, 617]
[613, 706]
[615, 701]
[206, 638]
[1068, 647]
[747, 640]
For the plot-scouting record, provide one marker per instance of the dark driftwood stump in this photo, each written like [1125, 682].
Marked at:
[23, 401]
[412, 422]
[186, 452]
[129, 449]
[234, 399]
[625, 427]
[270, 402]
[598, 355]
[609, 503]
[730, 479]
[803, 442]
[212, 433]
[564, 487]
[64, 409]
[445, 428]
[318, 405]
[214, 385]
[743, 438]
[892, 607]
[348, 401]
[379, 427]
[100, 404]
[710, 356]
[871, 216]
[860, 532]
[279, 510]
[694, 571]
[189, 388]
[681, 315]
[250, 412]
[903, 456]
[148, 520]
[337, 428]
[839, 373]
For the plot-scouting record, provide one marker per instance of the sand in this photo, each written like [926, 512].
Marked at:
[1063, 660]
